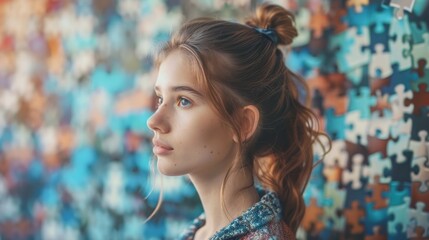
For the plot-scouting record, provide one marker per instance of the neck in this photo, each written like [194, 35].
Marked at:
[237, 197]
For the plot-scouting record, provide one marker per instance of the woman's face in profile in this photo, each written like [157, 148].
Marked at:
[189, 137]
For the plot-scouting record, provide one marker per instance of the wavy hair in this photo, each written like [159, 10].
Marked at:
[237, 66]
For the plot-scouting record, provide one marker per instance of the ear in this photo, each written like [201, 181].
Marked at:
[249, 120]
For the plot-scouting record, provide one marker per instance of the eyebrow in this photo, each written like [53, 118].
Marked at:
[182, 88]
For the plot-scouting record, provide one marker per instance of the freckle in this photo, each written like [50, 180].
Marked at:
[211, 152]
[175, 164]
[205, 146]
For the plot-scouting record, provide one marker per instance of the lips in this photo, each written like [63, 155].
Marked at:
[161, 148]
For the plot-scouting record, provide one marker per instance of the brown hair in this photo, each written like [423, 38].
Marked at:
[237, 66]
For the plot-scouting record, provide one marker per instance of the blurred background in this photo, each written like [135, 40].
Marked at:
[76, 80]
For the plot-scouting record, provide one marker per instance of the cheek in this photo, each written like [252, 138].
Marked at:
[211, 138]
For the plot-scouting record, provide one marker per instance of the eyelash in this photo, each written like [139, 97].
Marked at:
[179, 100]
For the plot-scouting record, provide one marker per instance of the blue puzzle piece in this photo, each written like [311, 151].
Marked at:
[360, 99]
[398, 190]
[352, 48]
[335, 124]
[400, 77]
[398, 217]
[417, 31]
[380, 17]
[375, 217]
[379, 38]
[358, 19]
[303, 62]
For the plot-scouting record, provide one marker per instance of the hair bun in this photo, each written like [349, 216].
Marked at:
[271, 16]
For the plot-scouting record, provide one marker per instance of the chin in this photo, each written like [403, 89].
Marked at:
[168, 169]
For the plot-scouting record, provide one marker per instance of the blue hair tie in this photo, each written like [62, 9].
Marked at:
[269, 33]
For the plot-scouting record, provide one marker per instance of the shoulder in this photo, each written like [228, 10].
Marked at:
[274, 230]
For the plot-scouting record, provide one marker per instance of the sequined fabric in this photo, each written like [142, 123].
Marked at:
[262, 221]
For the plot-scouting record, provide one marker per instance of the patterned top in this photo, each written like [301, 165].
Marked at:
[261, 221]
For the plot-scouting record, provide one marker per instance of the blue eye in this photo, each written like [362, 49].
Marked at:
[159, 101]
[183, 102]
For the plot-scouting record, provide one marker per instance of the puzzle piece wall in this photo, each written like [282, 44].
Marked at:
[75, 93]
[383, 52]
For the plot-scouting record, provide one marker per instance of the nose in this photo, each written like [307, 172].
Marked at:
[158, 122]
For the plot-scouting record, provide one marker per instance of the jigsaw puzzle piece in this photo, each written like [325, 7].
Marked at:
[420, 100]
[338, 155]
[334, 203]
[375, 217]
[354, 217]
[378, 166]
[357, 4]
[398, 77]
[380, 126]
[398, 191]
[380, 17]
[399, 107]
[417, 31]
[418, 196]
[351, 48]
[379, 193]
[401, 170]
[357, 172]
[361, 100]
[400, 43]
[356, 131]
[380, 63]
[401, 127]
[335, 124]
[376, 145]
[359, 20]
[382, 108]
[419, 218]
[398, 216]
[420, 172]
[400, 6]
[312, 221]
[421, 147]
[302, 61]
[420, 123]
[302, 19]
[357, 54]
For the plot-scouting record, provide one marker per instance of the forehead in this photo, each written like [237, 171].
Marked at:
[176, 69]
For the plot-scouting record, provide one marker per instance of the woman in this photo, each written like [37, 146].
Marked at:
[229, 117]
